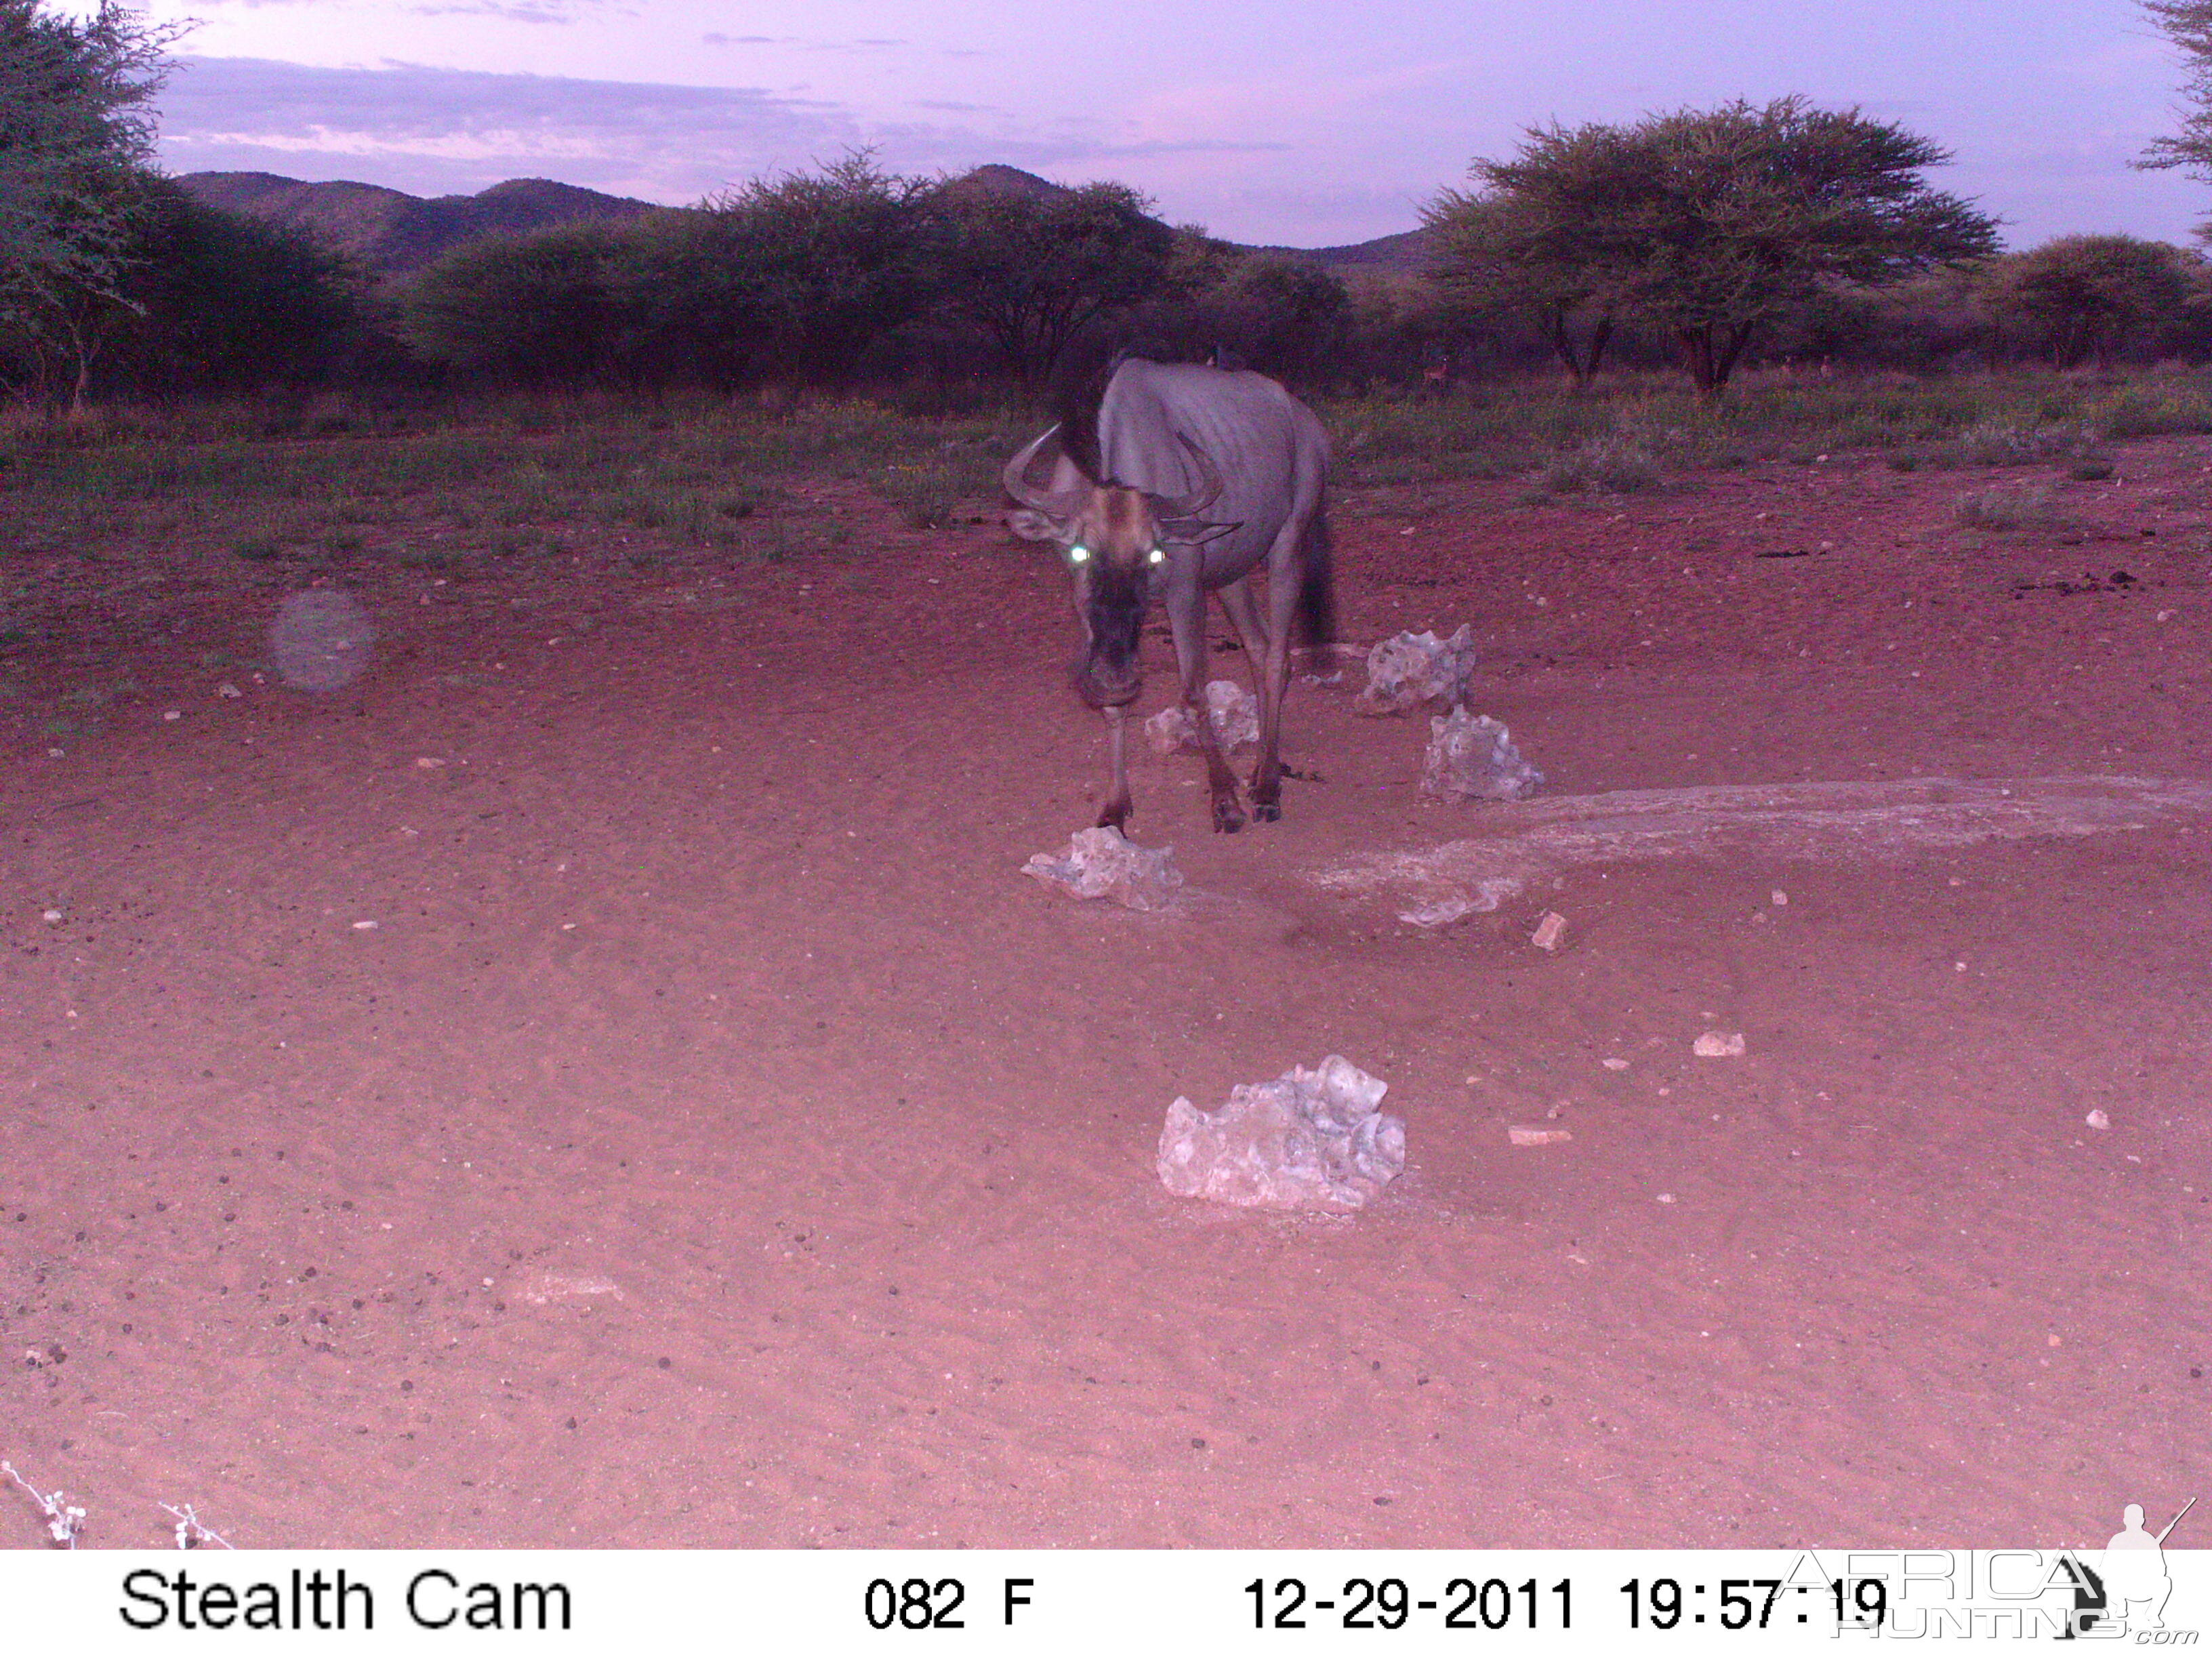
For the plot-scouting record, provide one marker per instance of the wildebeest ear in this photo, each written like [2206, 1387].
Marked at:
[1193, 533]
[1032, 526]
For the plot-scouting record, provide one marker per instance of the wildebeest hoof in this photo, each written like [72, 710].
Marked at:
[1228, 817]
[1267, 811]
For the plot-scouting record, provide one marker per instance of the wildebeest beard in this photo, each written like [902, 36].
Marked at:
[1110, 675]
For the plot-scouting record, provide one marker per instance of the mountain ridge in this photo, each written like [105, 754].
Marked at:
[394, 233]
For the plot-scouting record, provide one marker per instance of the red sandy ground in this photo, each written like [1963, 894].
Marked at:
[717, 1141]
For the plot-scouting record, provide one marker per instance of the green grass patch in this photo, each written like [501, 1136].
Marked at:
[732, 477]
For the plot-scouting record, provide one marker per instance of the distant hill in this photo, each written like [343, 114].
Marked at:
[993, 178]
[393, 233]
[1403, 252]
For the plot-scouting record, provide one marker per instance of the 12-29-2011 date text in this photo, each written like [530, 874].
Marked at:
[1392, 1604]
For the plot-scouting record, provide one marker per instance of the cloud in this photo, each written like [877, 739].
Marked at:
[437, 130]
[522, 11]
[801, 44]
[1187, 147]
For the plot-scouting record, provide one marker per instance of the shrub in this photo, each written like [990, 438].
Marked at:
[2004, 442]
[1617, 462]
[2004, 506]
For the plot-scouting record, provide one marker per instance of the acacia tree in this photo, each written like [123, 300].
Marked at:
[76, 142]
[216, 301]
[822, 264]
[2089, 294]
[534, 308]
[1032, 271]
[2188, 24]
[1522, 241]
[796, 279]
[1707, 225]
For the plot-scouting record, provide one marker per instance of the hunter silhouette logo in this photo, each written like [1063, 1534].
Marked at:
[2128, 1590]
[2136, 1581]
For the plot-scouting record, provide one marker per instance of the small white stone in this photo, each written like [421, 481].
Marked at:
[227, 689]
[1525, 1136]
[1779, 897]
[1614, 1063]
[1666, 1198]
[362, 926]
[52, 915]
[427, 762]
[1718, 1045]
[173, 713]
[1550, 931]
[2097, 1120]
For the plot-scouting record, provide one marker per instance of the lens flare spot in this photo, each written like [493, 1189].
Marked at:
[321, 640]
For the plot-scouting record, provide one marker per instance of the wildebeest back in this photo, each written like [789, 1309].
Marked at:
[1259, 438]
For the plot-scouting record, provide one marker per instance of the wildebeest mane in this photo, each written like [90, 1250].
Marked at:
[1075, 401]
[1080, 390]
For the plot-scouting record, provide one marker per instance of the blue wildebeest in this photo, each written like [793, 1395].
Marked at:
[1204, 477]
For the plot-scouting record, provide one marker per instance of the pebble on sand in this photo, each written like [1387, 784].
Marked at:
[1526, 1136]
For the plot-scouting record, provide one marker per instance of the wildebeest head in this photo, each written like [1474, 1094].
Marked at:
[1117, 542]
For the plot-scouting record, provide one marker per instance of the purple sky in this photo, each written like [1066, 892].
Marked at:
[1307, 123]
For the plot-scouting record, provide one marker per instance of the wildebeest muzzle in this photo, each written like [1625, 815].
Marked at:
[1110, 676]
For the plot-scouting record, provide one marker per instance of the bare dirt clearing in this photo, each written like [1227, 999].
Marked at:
[716, 1140]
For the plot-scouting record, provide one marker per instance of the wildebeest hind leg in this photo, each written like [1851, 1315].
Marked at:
[1187, 618]
[1267, 772]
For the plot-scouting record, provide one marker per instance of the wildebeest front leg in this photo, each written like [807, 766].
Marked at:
[1187, 618]
[1116, 812]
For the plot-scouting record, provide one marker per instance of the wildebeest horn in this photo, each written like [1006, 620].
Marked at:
[1209, 487]
[1022, 487]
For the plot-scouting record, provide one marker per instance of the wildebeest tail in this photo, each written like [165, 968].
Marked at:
[1318, 586]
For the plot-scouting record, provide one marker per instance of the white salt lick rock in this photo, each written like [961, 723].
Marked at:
[1102, 863]
[1234, 712]
[1472, 757]
[1309, 1140]
[1407, 670]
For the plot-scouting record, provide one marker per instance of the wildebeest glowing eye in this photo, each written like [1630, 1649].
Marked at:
[1159, 555]
[1078, 555]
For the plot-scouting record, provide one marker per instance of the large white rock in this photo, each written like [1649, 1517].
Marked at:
[1102, 863]
[1407, 670]
[1309, 1140]
[1234, 711]
[1472, 757]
